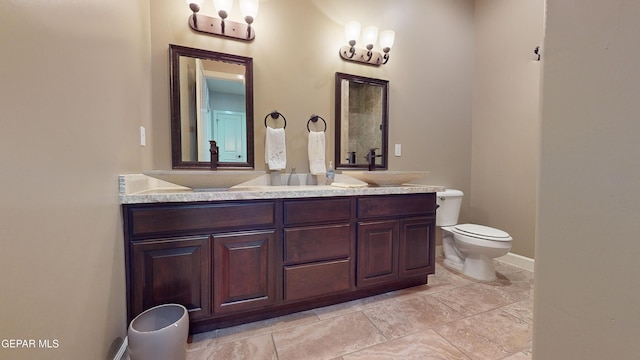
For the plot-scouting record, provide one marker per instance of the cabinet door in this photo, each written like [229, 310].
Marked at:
[377, 252]
[417, 246]
[244, 275]
[171, 271]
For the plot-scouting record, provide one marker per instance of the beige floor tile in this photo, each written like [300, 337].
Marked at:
[488, 336]
[256, 348]
[523, 355]
[351, 306]
[475, 298]
[521, 309]
[327, 339]
[201, 340]
[425, 345]
[452, 317]
[444, 279]
[404, 317]
[244, 331]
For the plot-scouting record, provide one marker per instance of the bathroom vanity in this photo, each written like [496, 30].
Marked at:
[233, 257]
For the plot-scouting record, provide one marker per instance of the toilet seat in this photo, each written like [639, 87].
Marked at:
[480, 232]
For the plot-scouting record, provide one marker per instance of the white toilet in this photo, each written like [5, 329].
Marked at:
[468, 248]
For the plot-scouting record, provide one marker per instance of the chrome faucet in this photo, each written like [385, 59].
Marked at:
[371, 158]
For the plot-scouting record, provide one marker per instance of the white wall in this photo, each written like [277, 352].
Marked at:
[74, 89]
[587, 288]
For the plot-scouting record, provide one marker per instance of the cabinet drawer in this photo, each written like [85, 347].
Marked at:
[315, 243]
[317, 210]
[154, 221]
[396, 205]
[306, 281]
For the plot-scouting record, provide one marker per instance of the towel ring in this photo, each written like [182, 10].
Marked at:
[274, 115]
[315, 118]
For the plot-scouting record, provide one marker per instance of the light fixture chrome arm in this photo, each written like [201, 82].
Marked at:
[366, 56]
[361, 55]
[369, 52]
[195, 8]
[221, 26]
[385, 57]
[352, 49]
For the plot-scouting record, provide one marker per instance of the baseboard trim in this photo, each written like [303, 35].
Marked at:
[520, 261]
[511, 259]
[123, 348]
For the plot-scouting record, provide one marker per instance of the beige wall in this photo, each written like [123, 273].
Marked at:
[505, 126]
[104, 76]
[587, 288]
[74, 90]
[296, 57]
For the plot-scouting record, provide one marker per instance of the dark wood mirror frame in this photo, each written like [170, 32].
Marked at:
[175, 51]
[340, 158]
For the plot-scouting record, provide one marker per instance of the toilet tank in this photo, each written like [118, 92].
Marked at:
[449, 202]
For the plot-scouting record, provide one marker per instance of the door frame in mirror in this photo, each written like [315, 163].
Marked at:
[384, 124]
[175, 52]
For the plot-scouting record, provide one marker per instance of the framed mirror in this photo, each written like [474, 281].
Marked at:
[362, 121]
[211, 99]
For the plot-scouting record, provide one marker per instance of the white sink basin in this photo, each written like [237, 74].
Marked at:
[203, 179]
[386, 178]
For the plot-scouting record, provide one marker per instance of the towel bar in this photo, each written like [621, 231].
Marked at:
[315, 118]
[274, 115]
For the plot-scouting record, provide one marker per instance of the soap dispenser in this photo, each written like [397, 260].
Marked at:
[330, 173]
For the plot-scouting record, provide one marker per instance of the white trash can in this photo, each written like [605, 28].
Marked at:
[159, 333]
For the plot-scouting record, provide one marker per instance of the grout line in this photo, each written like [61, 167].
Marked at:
[275, 348]
[396, 297]
[452, 344]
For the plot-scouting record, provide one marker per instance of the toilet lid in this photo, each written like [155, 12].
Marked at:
[483, 232]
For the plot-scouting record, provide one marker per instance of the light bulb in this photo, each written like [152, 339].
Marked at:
[223, 6]
[369, 36]
[387, 38]
[249, 9]
[352, 32]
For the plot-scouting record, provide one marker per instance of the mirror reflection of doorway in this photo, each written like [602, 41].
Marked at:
[222, 117]
[228, 132]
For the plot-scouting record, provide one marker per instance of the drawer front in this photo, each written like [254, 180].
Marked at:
[317, 210]
[307, 281]
[396, 205]
[171, 220]
[316, 243]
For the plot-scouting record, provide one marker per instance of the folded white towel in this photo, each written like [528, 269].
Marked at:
[275, 149]
[315, 150]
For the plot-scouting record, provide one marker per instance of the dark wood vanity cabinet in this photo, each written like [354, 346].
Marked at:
[213, 258]
[171, 271]
[377, 252]
[231, 262]
[244, 271]
[319, 246]
[396, 238]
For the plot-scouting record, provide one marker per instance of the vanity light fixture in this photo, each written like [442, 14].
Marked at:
[369, 37]
[222, 26]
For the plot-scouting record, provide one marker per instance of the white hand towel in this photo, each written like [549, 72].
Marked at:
[316, 153]
[275, 149]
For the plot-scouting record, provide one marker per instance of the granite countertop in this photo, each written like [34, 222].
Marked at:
[139, 189]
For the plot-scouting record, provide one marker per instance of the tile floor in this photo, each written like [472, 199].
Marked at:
[453, 317]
